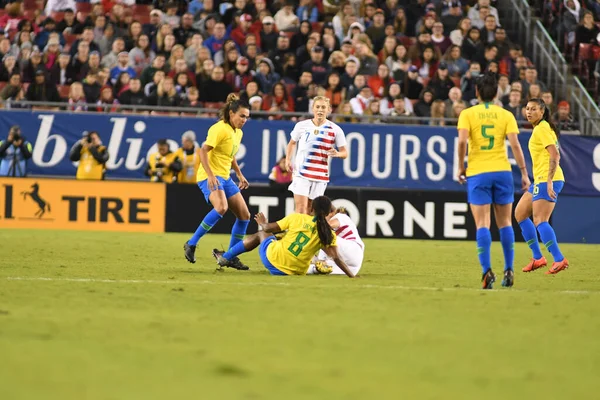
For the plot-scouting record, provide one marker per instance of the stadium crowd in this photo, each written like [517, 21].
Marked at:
[378, 58]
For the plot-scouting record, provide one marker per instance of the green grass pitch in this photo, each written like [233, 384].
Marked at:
[123, 316]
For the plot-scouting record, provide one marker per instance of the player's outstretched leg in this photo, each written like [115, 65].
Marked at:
[225, 259]
[238, 206]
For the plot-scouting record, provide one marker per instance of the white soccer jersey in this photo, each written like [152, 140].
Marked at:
[347, 230]
[312, 160]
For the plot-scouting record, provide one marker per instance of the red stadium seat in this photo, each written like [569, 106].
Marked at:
[141, 9]
[63, 91]
[70, 38]
[213, 106]
[596, 52]
[141, 18]
[2, 84]
[33, 4]
[456, 81]
[289, 34]
[289, 87]
[84, 7]
[317, 26]
[57, 15]
[30, 14]
[585, 51]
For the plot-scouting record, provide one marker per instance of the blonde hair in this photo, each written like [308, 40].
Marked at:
[437, 112]
[322, 98]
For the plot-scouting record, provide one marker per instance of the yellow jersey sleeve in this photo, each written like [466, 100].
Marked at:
[546, 136]
[284, 224]
[214, 136]
[463, 121]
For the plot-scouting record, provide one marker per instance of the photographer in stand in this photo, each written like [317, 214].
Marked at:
[163, 165]
[92, 156]
[14, 153]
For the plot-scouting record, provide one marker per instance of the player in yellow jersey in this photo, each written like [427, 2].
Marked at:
[217, 158]
[548, 181]
[306, 235]
[484, 129]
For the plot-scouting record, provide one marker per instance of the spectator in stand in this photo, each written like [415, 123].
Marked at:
[216, 41]
[423, 106]
[205, 72]
[489, 55]
[171, 16]
[265, 77]
[400, 110]
[268, 36]
[392, 92]
[152, 27]
[535, 92]
[277, 55]
[192, 99]
[564, 119]
[472, 45]
[368, 61]
[110, 60]
[398, 63]
[461, 32]
[106, 103]
[106, 39]
[378, 83]
[438, 111]
[334, 90]
[182, 84]
[215, 90]
[9, 22]
[34, 64]
[307, 11]
[87, 36]
[337, 60]
[239, 33]
[515, 104]
[300, 92]
[76, 98]
[68, 22]
[586, 32]
[360, 103]
[148, 73]
[285, 19]
[549, 101]
[182, 68]
[280, 177]
[474, 11]
[13, 87]
[121, 84]
[503, 87]
[142, 55]
[300, 38]
[278, 101]
[572, 15]
[9, 67]
[441, 83]
[51, 53]
[186, 30]
[40, 90]
[438, 38]
[41, 38]
[92, 156]
[467, 82]
[220, 57]
[479, 21]
[255, 103]
[427, 63]
[454, 96]
[122, 66]
[91, 88]
[502, 42]
[531, 78]
[412, 87]
[350, 72]
[373, 112]
[457, 65]
[353, 90]
[165, 94]
[376, 32]
[239, 78]
[488, 32]
[451, 15]
[317, 66]
[134, 94]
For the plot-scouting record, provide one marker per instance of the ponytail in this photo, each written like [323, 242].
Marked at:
[233, 104]
[321, 208]
[546, 116]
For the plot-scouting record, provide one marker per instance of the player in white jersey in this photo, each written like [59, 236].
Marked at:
[349, 245]
[317, 139]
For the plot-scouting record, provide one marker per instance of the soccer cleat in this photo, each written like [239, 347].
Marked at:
[233, 263]
[322, 268]
[558, 266]
[509, 278]
[488, 279]
[189, 252]
[535, 264]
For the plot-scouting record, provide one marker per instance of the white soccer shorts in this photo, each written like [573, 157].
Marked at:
[305, 187]
[350, 252]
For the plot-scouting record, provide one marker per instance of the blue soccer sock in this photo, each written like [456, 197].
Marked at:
[206, 225]
[484, 245]
[238, 232]
[530, 236]
[235, 251]
[507, 238]
[549, 238]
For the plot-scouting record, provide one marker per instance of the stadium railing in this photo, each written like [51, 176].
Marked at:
[178, 112]
[552, 67]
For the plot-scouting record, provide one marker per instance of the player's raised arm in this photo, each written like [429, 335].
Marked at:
[267, 227]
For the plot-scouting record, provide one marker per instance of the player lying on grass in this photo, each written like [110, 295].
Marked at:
[350, 247]
[291, 255]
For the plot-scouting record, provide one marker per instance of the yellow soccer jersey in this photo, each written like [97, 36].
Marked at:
[488, 126]
[225, 142]
[542, 137]
[293, 253]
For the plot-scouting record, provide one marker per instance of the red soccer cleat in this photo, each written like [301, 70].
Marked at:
[558, 266]
[535, 264]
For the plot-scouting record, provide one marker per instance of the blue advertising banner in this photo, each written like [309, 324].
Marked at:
[385, 156]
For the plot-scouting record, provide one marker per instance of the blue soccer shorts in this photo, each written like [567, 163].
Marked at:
[491, 188]
[539, 191]
[226, 185]
[262, 252]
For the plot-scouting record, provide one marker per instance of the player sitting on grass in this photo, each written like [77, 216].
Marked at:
[350, 247]
[291, 255]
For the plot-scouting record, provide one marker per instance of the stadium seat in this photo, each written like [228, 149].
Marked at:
[317, 26]
[32, 4]
[289, 34]
[30, 14]
[57, 15]
[213, 106]
[289, 87]
[84, 7]
[3, 84]
[141, 18]
[63, 91]
[456, 81]
[584, 56]
[141, 9]
[70, 38]
[596, 52]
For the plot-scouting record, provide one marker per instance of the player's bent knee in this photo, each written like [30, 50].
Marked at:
[539, 219]
[262, 236]
[222, 209]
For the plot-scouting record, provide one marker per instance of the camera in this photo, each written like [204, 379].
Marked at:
[16, 133]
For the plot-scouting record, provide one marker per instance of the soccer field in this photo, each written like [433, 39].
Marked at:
[123, 316]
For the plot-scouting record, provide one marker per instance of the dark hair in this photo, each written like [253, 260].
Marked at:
[322, 207]
[233, 104]
[546, 116]
[162, 142]
[487, 87]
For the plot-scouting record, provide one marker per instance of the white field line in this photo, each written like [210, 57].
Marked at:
[287, 284]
